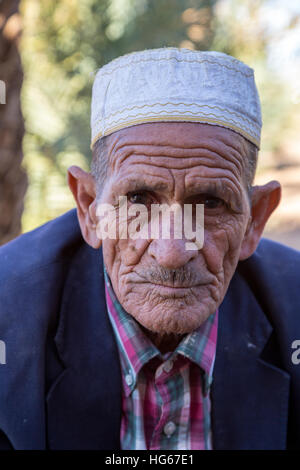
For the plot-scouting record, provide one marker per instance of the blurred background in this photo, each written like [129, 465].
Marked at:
[50, 50]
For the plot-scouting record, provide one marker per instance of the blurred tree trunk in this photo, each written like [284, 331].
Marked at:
[13, 180]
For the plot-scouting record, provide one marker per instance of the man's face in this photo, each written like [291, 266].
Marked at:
[164, 286]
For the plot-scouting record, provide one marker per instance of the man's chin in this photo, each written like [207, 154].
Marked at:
[173, 317]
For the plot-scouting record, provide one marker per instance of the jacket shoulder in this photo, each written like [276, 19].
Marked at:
[33, 270]
[278, 254]
[273, 275]
[275, 264]
[32, 251]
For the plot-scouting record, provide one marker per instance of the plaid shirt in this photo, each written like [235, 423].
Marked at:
[165, 400]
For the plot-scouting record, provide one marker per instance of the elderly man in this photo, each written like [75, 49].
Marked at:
[153, 342]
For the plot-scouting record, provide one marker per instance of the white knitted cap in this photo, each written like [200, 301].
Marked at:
[173, 84]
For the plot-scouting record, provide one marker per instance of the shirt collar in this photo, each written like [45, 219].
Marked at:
[136, 349]
[200, 345]
[134, 346]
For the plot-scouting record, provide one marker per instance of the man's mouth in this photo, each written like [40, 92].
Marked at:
[172, 292]
[171, 288]
[177, 292]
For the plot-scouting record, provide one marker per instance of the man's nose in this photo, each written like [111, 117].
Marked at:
[171, 254]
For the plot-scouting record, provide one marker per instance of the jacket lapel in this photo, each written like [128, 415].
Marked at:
[84, 402]
[249, 394]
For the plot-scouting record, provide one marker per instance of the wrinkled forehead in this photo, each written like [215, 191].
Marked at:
[177, 140]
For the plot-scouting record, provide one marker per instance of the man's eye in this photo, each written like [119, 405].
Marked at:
[213, 202]
[140, 197]
[209, 201]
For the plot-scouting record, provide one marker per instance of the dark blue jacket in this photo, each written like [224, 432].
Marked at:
[61, 386]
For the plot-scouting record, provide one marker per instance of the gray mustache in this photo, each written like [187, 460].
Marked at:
[182, 277]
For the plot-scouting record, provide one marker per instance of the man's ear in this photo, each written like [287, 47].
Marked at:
[264, 200]
[83, 187]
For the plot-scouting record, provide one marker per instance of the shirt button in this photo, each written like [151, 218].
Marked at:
[129, 379]
[168, 366]
[169, 428]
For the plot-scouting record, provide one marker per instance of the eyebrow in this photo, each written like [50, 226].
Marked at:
[139, 184]
[215, 188]
[220, 189]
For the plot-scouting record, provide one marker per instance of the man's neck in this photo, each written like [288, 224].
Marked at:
[164, 343]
